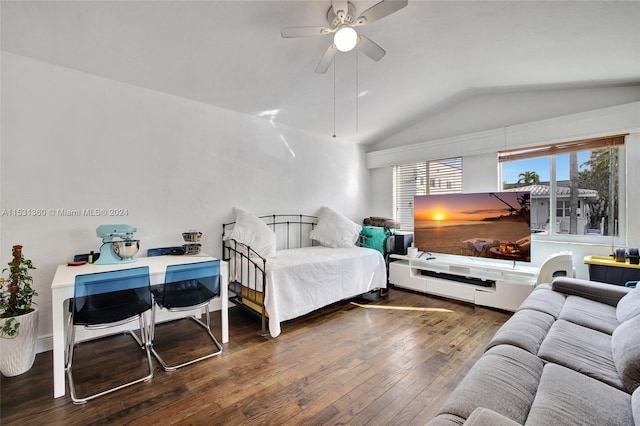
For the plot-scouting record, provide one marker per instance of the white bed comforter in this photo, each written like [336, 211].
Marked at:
[302, 280]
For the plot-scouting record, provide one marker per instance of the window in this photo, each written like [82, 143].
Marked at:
[580, 178]
[442, 176]
[563, 209]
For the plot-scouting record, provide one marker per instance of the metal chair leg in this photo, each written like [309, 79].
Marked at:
[145, 345]
[207, 328]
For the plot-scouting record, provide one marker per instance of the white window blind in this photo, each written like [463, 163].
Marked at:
[423, 178]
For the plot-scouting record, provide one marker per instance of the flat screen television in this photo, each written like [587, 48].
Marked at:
[489, 224]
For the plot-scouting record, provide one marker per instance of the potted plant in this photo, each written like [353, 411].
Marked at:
[18, 318]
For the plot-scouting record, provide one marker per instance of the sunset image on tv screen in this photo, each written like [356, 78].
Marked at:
[490, 224]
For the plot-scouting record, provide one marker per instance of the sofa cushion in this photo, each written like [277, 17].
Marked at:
[485, 417]
[628, 306]
[625, 347]
[581, 349]
[504, 379]
[545, 300]
[589, 313]
[566, 397]
[526, 329]
[446, 419]
[635, 405]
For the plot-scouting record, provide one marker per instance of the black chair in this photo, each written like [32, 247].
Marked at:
[188, 287]
[109, 299]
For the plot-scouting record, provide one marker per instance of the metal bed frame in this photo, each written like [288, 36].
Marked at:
[292, 231]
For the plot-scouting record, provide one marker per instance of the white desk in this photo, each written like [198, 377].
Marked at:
[62, 290]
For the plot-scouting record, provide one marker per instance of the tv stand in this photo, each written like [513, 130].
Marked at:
[458, 278]
[484, 282]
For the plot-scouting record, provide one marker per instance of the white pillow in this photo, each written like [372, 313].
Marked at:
[335, 230]
[253, 232]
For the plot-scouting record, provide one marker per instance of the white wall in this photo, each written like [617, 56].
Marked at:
[382, 192]
[479, 153]
[489, 108]
[75, 141]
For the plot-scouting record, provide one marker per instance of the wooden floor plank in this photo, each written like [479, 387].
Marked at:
[344, 364]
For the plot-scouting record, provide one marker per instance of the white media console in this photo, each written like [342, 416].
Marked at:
[495, 283]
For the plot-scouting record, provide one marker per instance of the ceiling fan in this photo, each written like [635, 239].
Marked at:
[342, 23]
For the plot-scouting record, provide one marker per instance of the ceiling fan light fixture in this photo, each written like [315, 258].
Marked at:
[345, 39]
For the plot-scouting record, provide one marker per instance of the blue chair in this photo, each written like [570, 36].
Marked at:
[188, 287]
[109, 299]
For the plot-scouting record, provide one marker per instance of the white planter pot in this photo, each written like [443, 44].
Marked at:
[17, 354]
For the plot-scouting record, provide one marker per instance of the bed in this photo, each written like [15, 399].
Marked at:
[285, 266]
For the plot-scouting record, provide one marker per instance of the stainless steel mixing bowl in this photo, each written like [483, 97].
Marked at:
[126, 249]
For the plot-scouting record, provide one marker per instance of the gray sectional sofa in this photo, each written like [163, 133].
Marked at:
[570, 355]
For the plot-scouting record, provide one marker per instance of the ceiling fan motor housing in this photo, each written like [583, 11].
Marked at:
[349, 19]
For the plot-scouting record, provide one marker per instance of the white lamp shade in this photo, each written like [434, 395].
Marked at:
[345, 39]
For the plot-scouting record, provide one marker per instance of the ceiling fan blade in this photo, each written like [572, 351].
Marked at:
[380, 10]
[370, 48]
[340, 8]
[291, 32]
[326, 60]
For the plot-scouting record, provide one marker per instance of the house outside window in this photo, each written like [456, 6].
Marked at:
[580, 178]
[443, 176]
[563, 208]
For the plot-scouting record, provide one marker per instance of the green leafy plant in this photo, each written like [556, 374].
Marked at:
[16, 292]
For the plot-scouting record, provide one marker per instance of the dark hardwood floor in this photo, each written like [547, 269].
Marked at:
[344, 364]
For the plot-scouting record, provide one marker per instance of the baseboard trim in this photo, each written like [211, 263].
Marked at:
[44, 344]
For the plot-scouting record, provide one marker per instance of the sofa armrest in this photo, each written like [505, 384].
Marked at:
[486, 417]
[609, 294]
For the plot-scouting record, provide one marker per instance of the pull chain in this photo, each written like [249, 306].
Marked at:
[334, 98]
[357, 92]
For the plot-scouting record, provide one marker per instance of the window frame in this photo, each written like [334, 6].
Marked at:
[551, 151]
[432, 183]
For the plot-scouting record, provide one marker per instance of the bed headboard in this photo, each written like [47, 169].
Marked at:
[292, 230]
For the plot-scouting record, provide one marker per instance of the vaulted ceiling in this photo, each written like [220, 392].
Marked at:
[230, 53]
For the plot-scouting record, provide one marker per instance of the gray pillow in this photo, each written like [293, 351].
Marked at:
[629, 306]
[625, 347]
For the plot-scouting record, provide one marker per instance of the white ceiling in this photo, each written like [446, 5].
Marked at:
[230, 53]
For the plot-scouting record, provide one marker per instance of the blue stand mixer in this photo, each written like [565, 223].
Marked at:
[118, 245]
